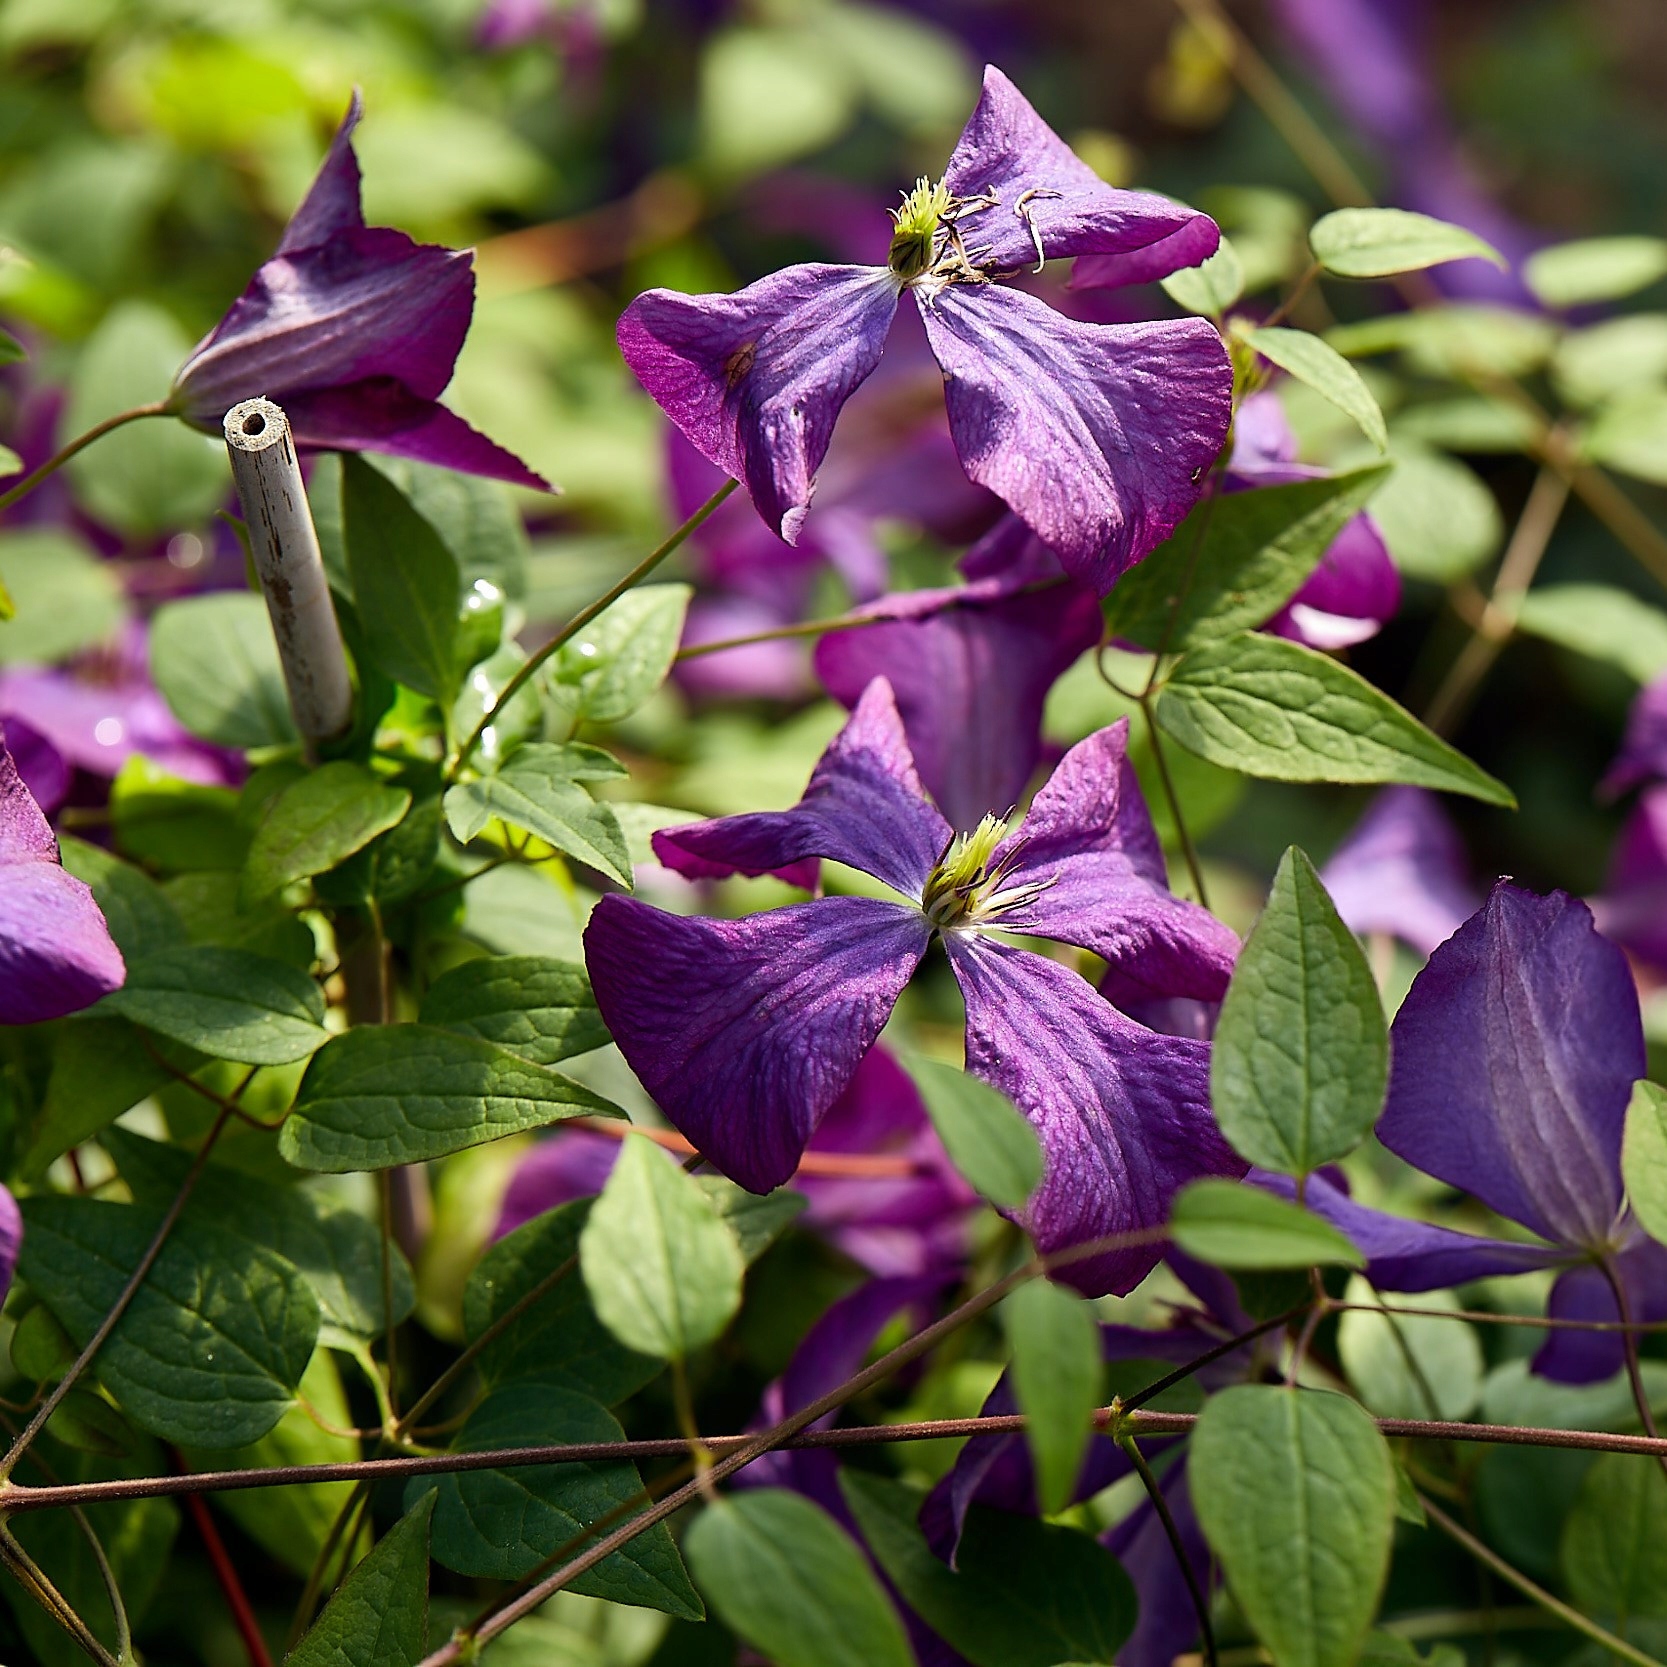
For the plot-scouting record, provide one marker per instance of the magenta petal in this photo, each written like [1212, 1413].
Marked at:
[1088, 842]
[1194, 243]
[1044, 191]
[11, 1239]
[971, 669]
[1349, 596]
[1096, 435]
[45, 770]
[1123, 1113]
[864, 807]
[756, 379]
[1403, 871]
[331, 205]
[746, 1031]
[1512, 1062]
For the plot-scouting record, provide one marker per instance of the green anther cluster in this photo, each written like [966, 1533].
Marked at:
[952, 887]
[915, 226]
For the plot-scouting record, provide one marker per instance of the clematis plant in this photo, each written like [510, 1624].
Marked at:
[1096, 435]
[747, 1031]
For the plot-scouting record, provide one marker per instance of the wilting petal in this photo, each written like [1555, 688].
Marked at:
[1123, 1113]
[1643, 754]
[864, 807]
[1045, 194]
[1402, 871]
[1167, 1624]
[1513, 1058]
[331, 206]
[1088, 843]
[568, 1164]
[56, 954]
[971, 669]
[756, 379]
[1407, 1255]
[1633, 908]
[1096, 435]
[746, 1031]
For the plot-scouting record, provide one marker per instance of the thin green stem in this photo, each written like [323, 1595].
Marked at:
[782, 633]
[525, 672]
[1195, 870]
[342, 1531]
[33, 1580]
[157, 408]
[1200, 1599]
[107, 1576]
[1491, 1560]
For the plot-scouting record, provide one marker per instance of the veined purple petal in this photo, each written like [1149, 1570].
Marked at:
[746, 1031]
[1407, 1255]
[1044, 192]
[1633, 907]
[1643, 754]
[56, 953]
[756, 379]
[1512, 1061]
[1096, 435]
[864, 807]
[1403, 871]
[1123, 1113]
[1167, 1623]
[970, 668]
[1089, 844]
[331, 205]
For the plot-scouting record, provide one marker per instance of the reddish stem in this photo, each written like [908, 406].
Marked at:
[225, 1572]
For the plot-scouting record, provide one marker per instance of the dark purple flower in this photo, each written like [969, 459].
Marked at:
[1094, 434]
[56, 954]
[354, 330]
[1633, 907]
[1643, 754]
[746, 1031]
[1402, 871]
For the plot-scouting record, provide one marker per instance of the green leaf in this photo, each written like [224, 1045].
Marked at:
[379, 1615]
[207, 903]
[64, 597]
[1378, 242]
[1057, 1375]
[1301, 1055]
[1438, 519]
[559, 1338]
[1604, 359]
[475, 518]
[137, 910]
[317, 822]
[394, 865]
[215, 662]
[1275, 709]
[1460, 341]
[1630, 434]
[985, 1135]
[1595, 269]
[1409, 1365]
[1295, 1491]
[1023, 1593]
[784, 1575]
[334, 1248]
[1325, 370]
[538, 791]
[172, 824]
[406, 585]
[382, 1095]
[540, 1008]
[1470, 423]
[662, 1267]
[1235, 561]
[1644, 1158]
[619, 659]
[211, 1348]
[502, 1524]
[1597, 620]
[768, 95]
[757, 1222]
[1614, 1549]
[155, 475]
[225, 1003]
[1231, 1224]
[1210, 288]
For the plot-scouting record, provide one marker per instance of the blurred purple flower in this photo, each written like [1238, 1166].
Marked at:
[354, 330]
[747, 1031]
[1643, 754]
[1094, 434]
[56, 953]
[1402, 871]
[1633, 907]
[11, 1239]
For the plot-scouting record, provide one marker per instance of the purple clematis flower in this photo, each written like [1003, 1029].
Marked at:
[56, 953]
[746, 1031]
[1643, 754]
[354, 330]
[1513, 1059]
[1633, 907]
[1096, 435]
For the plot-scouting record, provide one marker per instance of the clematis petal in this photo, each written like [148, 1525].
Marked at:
[1402, 871]
[564, 1165]
[1407, 1255]
[1643, 754]
[864, 807]
[1633, 907]
[11, 1239]
[1512, 1061]
[1096, 435]
[45, 770]
[746, 1031]
[1089, 845]
[1348, 598]
[1123, 1113]
[1585, 1293]
[1045, 195]
[756, 379]
[971, 668]
[331, 205]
